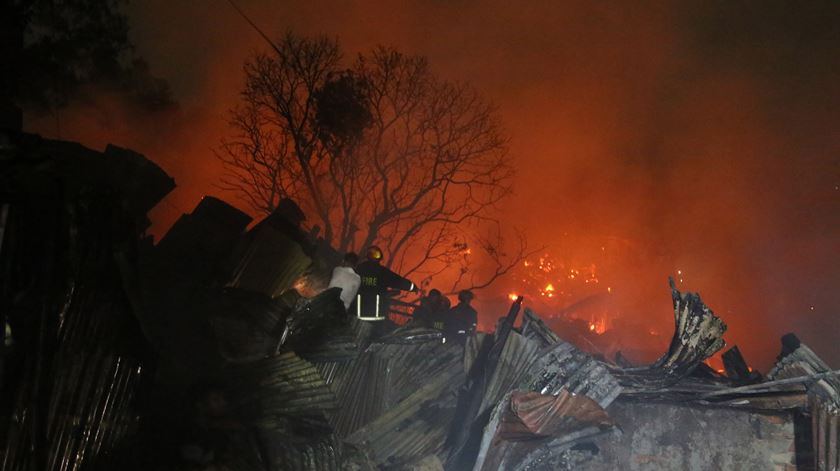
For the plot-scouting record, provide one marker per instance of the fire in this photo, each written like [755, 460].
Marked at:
[560, 280]
[556, 284]
[306, 286]
[548, 291]
[598, 326]
[545, 264]
[715, 362]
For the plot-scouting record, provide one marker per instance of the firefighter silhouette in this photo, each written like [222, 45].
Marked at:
[378, 285]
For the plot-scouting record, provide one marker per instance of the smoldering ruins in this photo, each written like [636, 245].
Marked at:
[219, 348]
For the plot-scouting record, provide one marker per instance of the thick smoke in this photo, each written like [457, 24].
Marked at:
[704, 134]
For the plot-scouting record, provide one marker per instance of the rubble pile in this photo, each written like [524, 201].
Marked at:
[219, 348]
[75, 361]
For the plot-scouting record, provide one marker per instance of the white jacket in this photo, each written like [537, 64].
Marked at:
[348, 280]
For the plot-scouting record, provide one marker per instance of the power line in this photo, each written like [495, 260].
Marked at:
[256, 28]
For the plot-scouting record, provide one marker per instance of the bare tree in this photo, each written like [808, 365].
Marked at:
[382, 152]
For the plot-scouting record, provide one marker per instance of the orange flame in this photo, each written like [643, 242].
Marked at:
[598, 326]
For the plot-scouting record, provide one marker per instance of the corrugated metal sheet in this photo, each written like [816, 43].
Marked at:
[79, 352]
[517, 356]
[534, 328]
[315, 321]
[286, 401]
[280, 386]
[263, 312]
[564, 367]
[271, 262]
[823, 403]
[334, 372]
[412, 366]
[360, 393]
[525, 421]
[293, 453]
[247, 325]
[336, 358]
[472, 346]
[533, 415]
[825, 433]
[326, 304]
[549, 370]
[90, 410]
[804, 362]
[538, 360]
[698, 334]
[541, 368]
[78, 359]
[201, 243]
[416, 426]
[384, 375]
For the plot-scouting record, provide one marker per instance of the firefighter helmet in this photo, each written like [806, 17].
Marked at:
[374, 253]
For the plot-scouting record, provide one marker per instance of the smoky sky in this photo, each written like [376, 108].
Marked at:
[708, 133]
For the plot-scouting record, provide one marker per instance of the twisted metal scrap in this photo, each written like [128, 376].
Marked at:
[697, 336]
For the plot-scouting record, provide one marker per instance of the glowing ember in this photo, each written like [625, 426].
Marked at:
[568, 288]
[715, 362]
[307, 287]
[599, 326]
[558, 283]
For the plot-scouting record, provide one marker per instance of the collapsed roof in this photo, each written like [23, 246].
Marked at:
[109, 350]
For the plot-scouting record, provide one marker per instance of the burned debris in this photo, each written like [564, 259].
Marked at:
[76, 360]
[222, 348]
